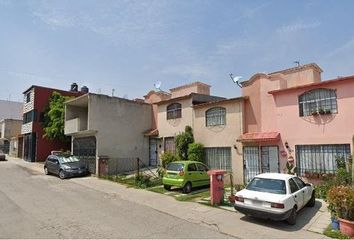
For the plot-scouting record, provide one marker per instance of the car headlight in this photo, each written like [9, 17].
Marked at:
[65, 167]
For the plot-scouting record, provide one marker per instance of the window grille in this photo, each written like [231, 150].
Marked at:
[215, 116]
[318, 101]
[319, 158]
[174, 111]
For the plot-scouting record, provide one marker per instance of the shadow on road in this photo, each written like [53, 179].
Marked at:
[304, 216]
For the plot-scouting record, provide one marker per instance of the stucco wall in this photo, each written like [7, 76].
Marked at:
[223, 136]
[11, 128]
[169, 128]
[320, 129]
[120, 125]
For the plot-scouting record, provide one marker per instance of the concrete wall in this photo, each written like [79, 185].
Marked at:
[120, 125]
[170, 128]
[80, 113]
[10, 128]
[196, 87]
[223, 136]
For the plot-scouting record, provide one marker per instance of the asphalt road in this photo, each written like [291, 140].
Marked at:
[33, 205]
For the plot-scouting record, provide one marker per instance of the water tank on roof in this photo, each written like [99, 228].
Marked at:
[74, 87]
[84, 89]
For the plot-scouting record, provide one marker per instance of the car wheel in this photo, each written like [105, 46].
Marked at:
[312, 201]
[187, 188]
[292, 218]
[61, 174]
[46, 171]
[167, 187]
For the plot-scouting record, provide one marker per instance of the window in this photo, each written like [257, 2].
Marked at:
[299, 182]
[202, 167]
[192, 168]
[174, 111]
[215, 116]
[267, 185]
[318, 101]
[29, 116]
[28, 97]
[319, 158]
[293, 186]
[218, 158]
[170, 145]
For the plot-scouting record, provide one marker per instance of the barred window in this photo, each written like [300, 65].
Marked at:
[218, 158]
[215, 116]
[318, 101]
[320, 158]
[30, 116]
[174, 111]
[170, 145]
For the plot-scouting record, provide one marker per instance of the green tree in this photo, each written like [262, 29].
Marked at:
[196, 152]
[53, 122]
[182, 141]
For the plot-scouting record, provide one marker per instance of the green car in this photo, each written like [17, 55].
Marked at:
[185, 175]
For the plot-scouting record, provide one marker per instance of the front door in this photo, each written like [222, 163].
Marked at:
[269, 159]
[153, 151]
[251, 162]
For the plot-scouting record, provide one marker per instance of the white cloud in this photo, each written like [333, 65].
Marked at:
[346, 48]
[296, 27]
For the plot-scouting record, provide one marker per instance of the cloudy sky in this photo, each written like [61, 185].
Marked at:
[129, 45]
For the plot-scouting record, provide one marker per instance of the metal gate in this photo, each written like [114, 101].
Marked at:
[85, 149]
[260, 160]
[153, 142]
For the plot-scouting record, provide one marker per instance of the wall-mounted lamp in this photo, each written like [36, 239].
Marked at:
[287, 145]
[235, 147]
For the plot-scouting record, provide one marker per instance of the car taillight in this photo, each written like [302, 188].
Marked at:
[181, 173]
[277, 205]
[239, 199]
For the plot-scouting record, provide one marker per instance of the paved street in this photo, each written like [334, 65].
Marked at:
[37, 206]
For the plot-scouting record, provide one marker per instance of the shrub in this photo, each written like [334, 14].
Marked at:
[196, 152]
[167, 157]
[182, 141]
[341, 202]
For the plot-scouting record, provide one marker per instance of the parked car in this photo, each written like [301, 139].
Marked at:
[186, 175]
[275, 196]
[64, 166]
[2, 156]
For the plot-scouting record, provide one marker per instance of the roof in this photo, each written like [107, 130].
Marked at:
[151, 132]
[220, 102]
[280, 176]
[319, 84]
[206, 98]
[189, 85]
[11, 110]
[259, 137]
[54, 89]
[104, 95]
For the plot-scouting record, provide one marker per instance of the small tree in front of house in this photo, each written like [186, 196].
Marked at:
[182, 141]
[196, 152]
[53, 122]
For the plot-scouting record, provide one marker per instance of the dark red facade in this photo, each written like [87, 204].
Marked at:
[36, 147]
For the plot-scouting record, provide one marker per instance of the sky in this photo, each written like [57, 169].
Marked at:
[130, 45]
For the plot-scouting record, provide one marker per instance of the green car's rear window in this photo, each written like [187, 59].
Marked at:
[175, 167]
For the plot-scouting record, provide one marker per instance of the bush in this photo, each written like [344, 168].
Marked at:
[167, 157]
[182, 142]
[196, 152]
[341, 202]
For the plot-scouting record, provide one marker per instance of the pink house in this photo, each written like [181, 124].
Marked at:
[293, 115]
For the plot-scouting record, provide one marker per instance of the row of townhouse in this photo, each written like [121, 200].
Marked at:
[281, 116]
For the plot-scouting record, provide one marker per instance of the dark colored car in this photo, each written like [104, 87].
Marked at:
[64, 166]
[2, 156]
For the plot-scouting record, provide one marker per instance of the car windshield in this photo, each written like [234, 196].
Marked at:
[68, 159]
[267, 185]
[175, 167]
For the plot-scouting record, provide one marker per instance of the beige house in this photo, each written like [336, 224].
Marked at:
[10, 129]
[108, 126]
[216, 123]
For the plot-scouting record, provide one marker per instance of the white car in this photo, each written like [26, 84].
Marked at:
[275, 196]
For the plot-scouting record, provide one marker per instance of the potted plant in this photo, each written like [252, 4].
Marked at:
[341, 202]
[321, 111]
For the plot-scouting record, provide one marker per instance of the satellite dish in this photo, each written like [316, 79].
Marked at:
[236, 79]
[158, 85]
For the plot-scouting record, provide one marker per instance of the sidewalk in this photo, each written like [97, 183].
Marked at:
[228, 222]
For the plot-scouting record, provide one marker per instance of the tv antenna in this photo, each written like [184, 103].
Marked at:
[236, 79]
[158, 85]
[113, 92]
